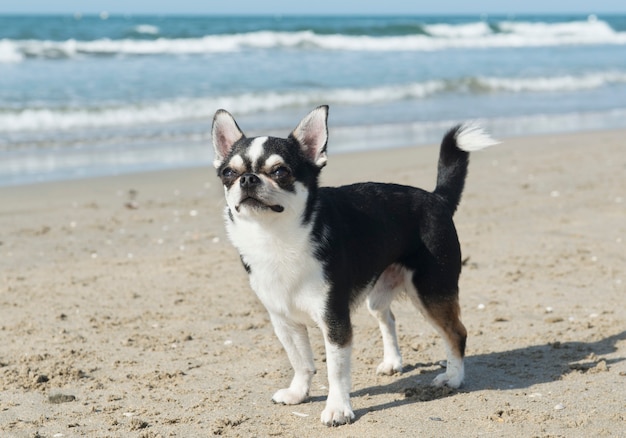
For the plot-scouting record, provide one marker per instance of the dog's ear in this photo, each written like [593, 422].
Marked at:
[225, 134]
[312, 135]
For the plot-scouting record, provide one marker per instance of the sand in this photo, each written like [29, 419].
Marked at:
[124, 311]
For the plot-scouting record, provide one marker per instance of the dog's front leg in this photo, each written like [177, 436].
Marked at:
[338, 408]
[338, 343]
[295, 340]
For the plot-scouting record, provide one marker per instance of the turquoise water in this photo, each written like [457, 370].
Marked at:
[85, 96]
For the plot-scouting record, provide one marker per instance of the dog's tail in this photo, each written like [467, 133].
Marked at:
[454, 159]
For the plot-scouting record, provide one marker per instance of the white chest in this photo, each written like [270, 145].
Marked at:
[285, 274]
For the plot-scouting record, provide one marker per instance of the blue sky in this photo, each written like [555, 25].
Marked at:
[272, 7]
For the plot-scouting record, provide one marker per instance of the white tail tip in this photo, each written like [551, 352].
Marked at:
[472, 137]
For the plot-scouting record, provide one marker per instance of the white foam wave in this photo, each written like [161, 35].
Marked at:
[9, 53]
[557, 83]
[44, 119]
[440, 37]
[147, 29]
[458, 30]
[591, 29]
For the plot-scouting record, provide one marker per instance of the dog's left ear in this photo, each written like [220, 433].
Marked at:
[312, 135]
[225, 134]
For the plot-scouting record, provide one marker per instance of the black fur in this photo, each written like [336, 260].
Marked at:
[366, 227]
[404, 225]
[359, 234]
[452, 169]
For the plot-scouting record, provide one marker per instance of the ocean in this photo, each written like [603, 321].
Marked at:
[84, 96]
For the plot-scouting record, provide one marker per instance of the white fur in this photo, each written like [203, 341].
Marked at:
[256, 149]
[338, 408]
[285, 272]
[290, 282]
[295, 340]
[379, 302]
[471, 137]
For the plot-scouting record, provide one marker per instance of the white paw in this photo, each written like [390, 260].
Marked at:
[389, 368]
[336, 416]
[451, 381]
[288, 397]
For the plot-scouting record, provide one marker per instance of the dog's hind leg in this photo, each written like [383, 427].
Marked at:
[442, 310]
[295, 340]
[378, 303]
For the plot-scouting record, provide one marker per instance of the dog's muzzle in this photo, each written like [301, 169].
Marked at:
[248, 183]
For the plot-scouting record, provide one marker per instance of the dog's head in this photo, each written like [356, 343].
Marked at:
[269, 175]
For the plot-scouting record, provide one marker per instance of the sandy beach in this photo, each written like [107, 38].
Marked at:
[124, 310]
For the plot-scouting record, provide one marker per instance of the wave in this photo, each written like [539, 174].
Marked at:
[125, 155]
[44, 119]
[549, 84]
[10, 53]
[458, 30]
[146, 29]
[591, 29]
[434, 37]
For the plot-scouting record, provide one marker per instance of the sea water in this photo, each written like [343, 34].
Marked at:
[82, 96]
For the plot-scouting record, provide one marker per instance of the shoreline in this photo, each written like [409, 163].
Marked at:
[121, 298]
[60, 162]
[346, 148]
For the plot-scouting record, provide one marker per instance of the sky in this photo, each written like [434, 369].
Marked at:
[321, 7]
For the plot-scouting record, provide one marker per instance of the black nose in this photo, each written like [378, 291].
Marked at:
[249, 180]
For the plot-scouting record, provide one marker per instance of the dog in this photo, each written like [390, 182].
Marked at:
[314, 253]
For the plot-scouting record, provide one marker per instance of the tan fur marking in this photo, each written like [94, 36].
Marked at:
[446, 315]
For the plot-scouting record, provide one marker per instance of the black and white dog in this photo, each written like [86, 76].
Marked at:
[312, 253]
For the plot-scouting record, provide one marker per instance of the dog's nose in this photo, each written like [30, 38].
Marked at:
[249, 180]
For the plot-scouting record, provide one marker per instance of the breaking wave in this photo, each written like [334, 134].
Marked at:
[42, 119]
[427, 37]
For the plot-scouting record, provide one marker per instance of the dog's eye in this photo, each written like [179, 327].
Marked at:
[229, 173]
[280, 172]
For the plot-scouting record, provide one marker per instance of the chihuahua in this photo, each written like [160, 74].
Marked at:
[314, 253]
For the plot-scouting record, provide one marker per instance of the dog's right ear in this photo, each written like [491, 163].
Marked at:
[225, 134]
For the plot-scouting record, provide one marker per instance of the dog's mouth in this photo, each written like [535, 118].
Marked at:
[251, 202]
